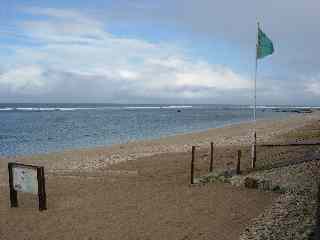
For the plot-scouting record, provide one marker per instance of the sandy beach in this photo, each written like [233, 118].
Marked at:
[141, 190]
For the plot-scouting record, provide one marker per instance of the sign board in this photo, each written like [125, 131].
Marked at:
[27, 179]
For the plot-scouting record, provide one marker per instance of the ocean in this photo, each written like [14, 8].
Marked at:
[28, 129]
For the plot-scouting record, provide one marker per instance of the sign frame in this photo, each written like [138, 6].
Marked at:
[41, 184]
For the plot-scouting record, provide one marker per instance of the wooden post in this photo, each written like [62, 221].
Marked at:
[211, 157]
[192, 165]
[238, 170]
[254, 151]
[13, 193]
[41, 189]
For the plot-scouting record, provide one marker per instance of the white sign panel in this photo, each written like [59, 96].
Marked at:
[25, 179]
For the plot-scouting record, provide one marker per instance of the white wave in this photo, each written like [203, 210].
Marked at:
[26, 109]
[35, 109]
[157, 107]
[50, 109]
[46, 109]
[6, 109]
[264, 107]
[141, 107]
[178, 106]
[79, 108]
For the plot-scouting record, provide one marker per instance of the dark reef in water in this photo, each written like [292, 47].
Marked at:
[302, 110]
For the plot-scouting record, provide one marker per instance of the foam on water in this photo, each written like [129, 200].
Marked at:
[38, 109]
[6, 109]
[158, 107]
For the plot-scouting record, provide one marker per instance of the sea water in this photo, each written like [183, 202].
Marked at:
[27, 129]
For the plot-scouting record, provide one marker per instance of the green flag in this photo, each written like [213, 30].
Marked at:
[264, 45]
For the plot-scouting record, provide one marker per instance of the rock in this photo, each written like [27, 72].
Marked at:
[250, 182]
[278, 189]
[204, 155]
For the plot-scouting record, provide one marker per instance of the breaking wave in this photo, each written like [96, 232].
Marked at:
[47, 109]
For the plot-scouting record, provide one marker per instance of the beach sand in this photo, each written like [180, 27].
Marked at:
[141, 190]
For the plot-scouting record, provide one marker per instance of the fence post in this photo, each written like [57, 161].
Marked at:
[238, 170]
[13, 192]
[41, 189]
[192, 165]
[211, 157]
[254, 151]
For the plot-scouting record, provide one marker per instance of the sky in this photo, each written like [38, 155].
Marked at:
[164, 51]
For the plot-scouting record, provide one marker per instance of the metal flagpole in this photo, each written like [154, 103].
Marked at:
[254, 144]
[255, 88]
[255, 77]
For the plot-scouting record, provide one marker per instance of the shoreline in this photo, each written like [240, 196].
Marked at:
[225, 125]
[91, 159]
[147, 138]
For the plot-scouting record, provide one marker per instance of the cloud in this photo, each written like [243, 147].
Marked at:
[313, 87]
[24, 79]
[75, 57]
[291, 24]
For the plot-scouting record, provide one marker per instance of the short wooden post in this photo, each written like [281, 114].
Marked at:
[192, 165]
[211, 157]
[238, 170]
[254, 151]
[13, 193]
[41, 189]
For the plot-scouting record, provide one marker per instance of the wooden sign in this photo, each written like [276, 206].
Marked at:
[27, 179]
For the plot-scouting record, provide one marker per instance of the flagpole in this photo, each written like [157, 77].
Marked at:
[255, 89]
[255, 78]
[254, 142]
[264, 47]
